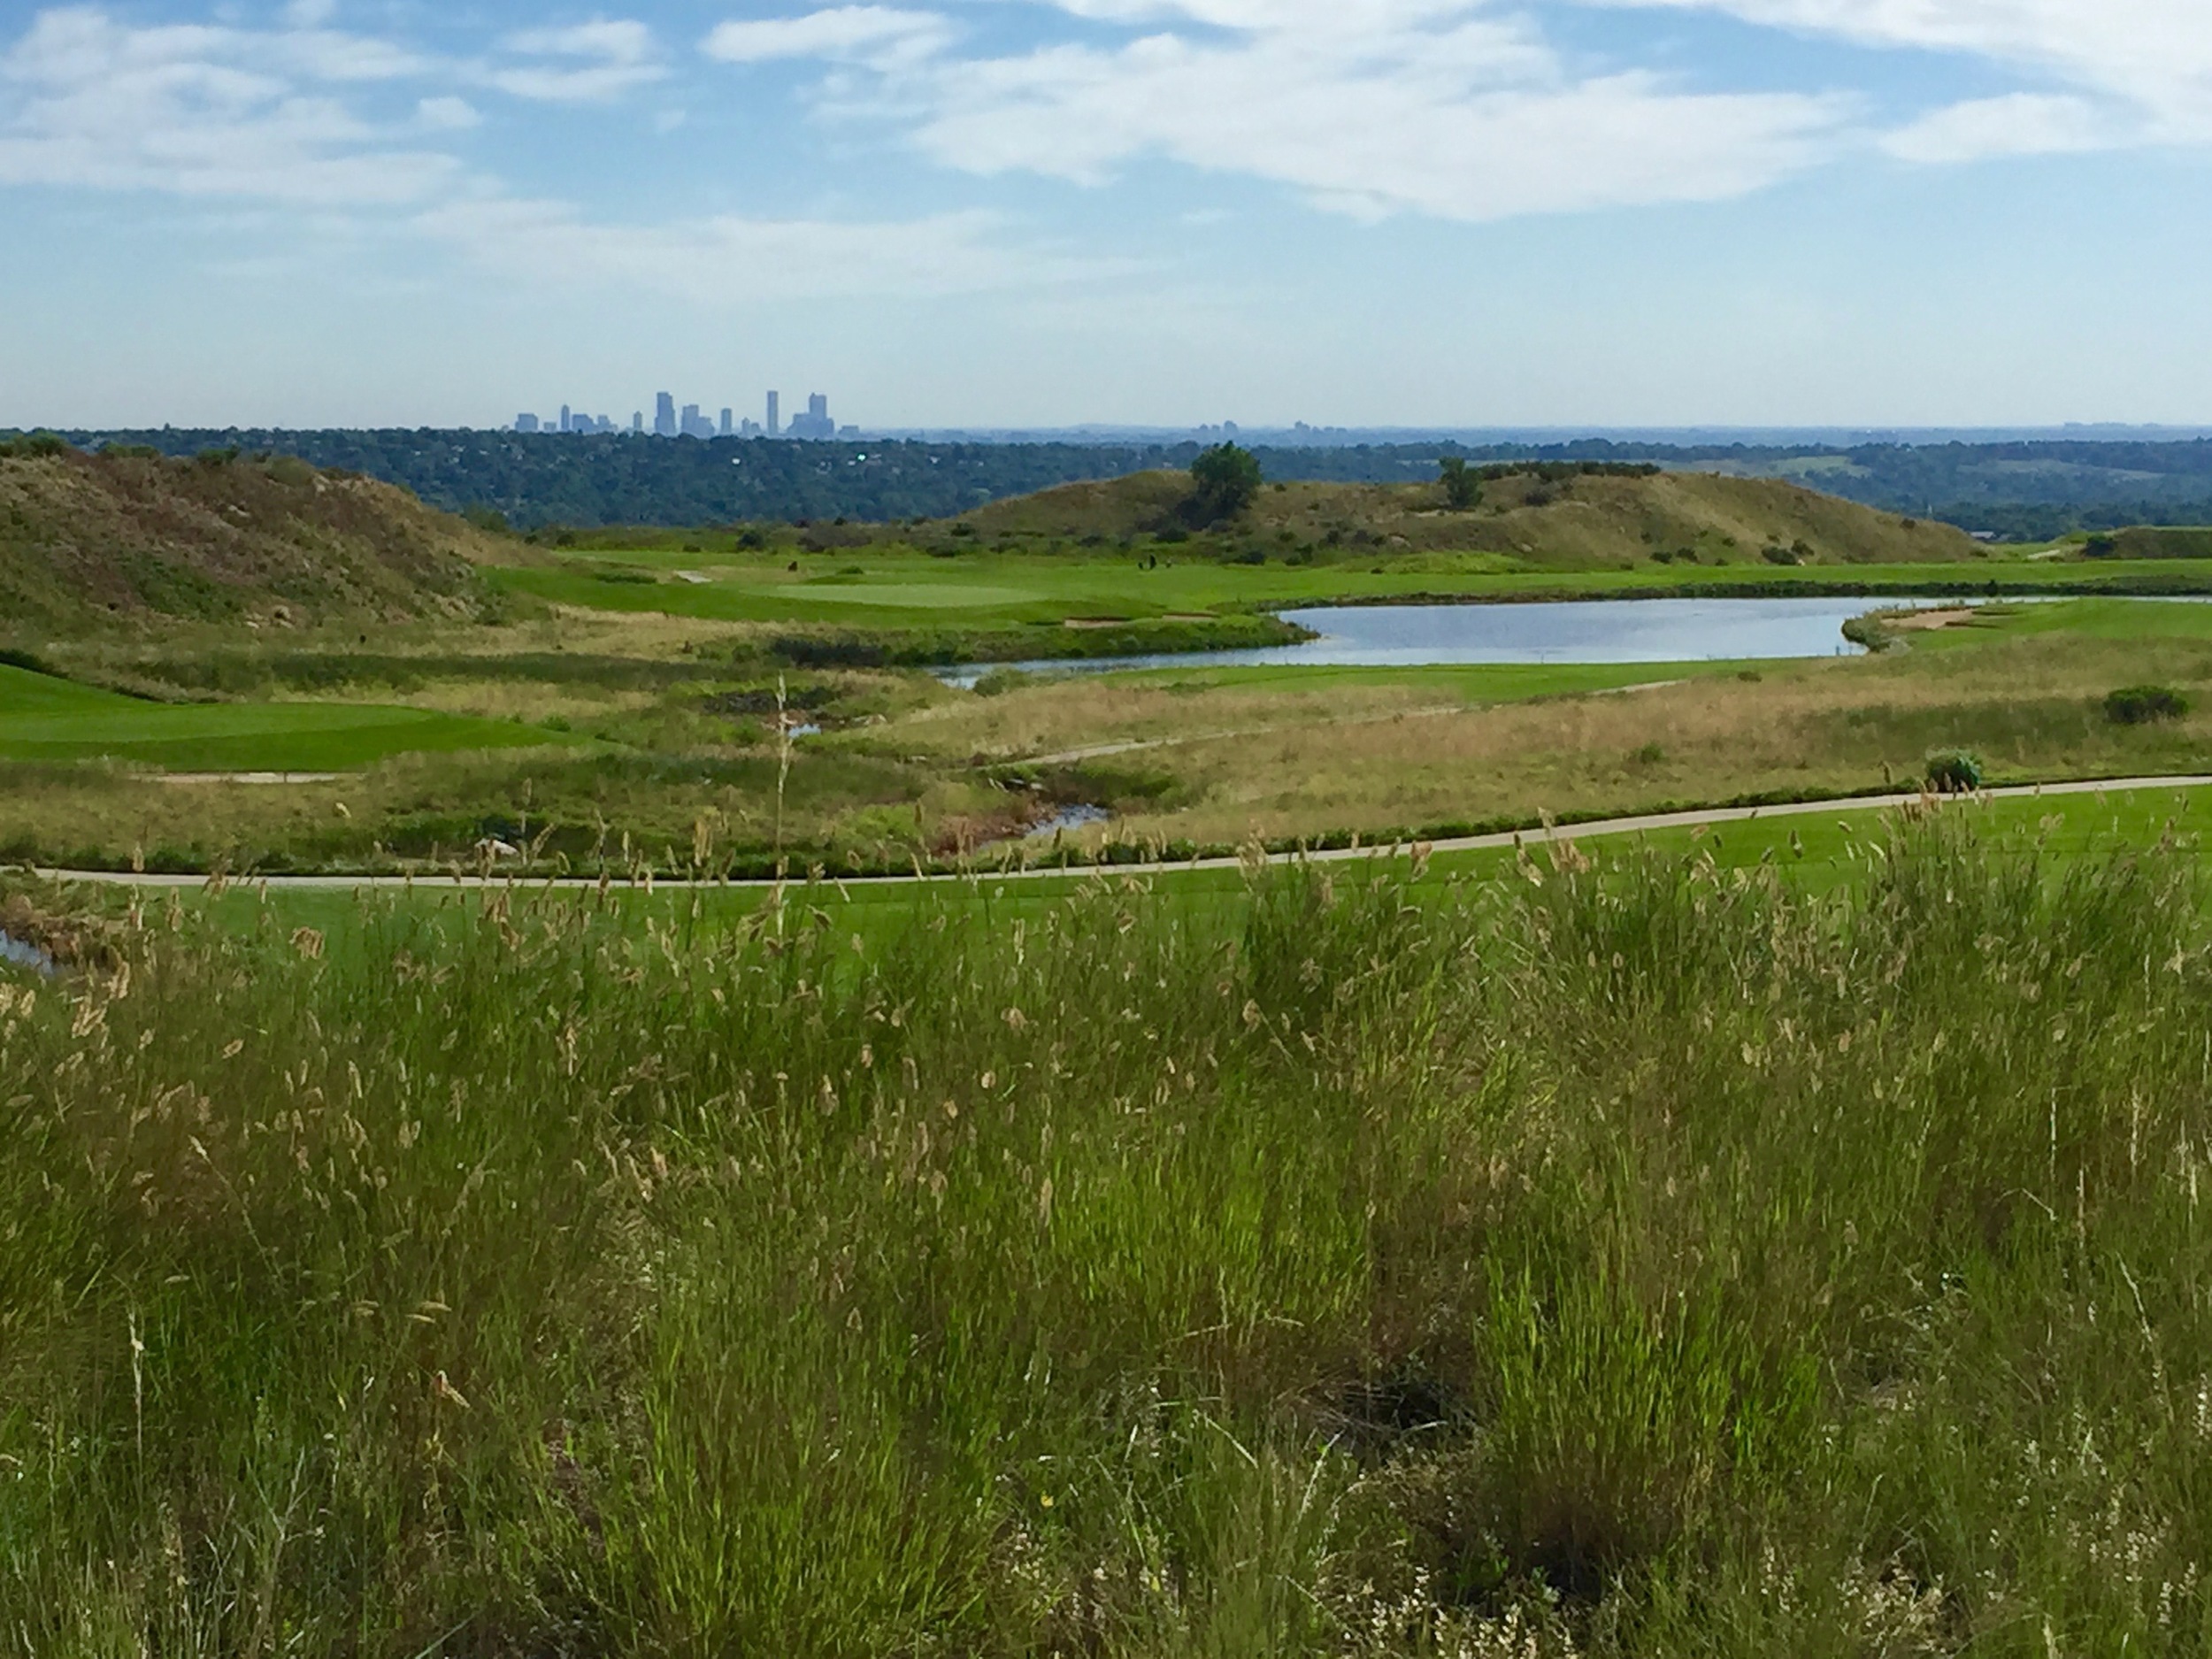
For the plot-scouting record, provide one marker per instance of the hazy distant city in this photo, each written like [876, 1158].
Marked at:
[692, 422]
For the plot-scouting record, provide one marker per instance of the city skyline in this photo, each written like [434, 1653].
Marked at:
[691, 421]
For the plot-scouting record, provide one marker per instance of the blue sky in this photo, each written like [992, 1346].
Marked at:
[948, 212]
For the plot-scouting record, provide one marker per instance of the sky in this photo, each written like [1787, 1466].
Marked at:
[948, 213]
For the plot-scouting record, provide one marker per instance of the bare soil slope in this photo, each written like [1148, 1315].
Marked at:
[1585, 522]
[85, 540]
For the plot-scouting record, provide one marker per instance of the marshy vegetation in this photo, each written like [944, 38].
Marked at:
[1629, 1258]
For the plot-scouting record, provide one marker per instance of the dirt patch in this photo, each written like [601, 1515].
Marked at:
[1095, 622]
[1926, 621]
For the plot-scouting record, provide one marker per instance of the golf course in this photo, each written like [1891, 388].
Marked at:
[1355, 1077]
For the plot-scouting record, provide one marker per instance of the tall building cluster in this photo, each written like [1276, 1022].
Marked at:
[691, 421]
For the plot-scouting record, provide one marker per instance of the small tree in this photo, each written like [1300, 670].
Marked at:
[1953, 772]
[1462, 485]
[1227, 479]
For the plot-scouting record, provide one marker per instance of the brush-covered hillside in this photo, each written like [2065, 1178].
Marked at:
[1551, 516]
[87, 541]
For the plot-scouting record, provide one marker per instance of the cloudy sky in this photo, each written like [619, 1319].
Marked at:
[1043, 211]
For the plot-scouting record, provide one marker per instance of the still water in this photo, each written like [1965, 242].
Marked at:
[1566, 630]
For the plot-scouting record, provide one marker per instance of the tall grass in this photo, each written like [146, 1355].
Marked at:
[1637, 1259]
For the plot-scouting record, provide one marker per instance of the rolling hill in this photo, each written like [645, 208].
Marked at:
[1531, 519]
[86, 540]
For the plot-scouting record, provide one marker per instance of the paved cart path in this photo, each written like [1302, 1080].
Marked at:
[1641, 822]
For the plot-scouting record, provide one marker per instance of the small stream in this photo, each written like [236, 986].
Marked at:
[19, 953]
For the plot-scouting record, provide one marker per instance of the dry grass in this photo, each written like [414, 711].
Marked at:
[1380, 757]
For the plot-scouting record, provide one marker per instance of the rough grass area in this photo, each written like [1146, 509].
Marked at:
[90, 541]
[1539, 521]
[1643, 1259]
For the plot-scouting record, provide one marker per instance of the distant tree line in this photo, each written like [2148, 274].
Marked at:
[2021, 490]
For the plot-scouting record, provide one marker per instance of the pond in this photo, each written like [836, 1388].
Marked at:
[1563, 631]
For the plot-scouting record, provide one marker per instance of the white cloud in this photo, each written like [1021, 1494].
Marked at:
[196, 110]
[729, 260]
[2156, 54]
[448, 114]
[1981, 129]
[1436, 106]
[874, 34]
[616, 56]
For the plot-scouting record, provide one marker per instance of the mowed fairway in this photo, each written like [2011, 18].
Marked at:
[43, 718]
[894, 588]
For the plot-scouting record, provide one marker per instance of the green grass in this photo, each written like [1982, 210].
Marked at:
[1645, 1260]
[1818, 851]
[1006, 589]
[2125, 620]
[42, 718]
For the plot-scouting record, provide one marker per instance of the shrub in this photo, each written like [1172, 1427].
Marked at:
[999, 682]
[1781, 556]
[1953, 772]
[2141, 705]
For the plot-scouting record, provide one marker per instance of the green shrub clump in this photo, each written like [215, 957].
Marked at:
[999, 682]
[1953, 772]
[2142, 705]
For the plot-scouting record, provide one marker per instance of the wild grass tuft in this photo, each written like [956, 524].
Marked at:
[1627, 1258]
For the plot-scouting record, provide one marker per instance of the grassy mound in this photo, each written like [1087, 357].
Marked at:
[88, 540]
[1585, 522]
[1633, 1261]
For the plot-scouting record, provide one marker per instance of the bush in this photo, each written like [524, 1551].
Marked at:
[2141, 705]
[1781, 556]
[1953, 772]
[999, 682]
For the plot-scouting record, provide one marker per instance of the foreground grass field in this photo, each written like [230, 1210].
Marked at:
[42, 718]
[1638, 1258]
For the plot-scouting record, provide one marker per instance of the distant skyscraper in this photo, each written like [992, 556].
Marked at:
[567, 424]
[637, 423]
[525, 423]
[816, 423]
[728, 418]
[775, 415]
[664, 416]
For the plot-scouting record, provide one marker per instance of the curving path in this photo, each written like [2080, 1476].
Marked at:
[1702, 816]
